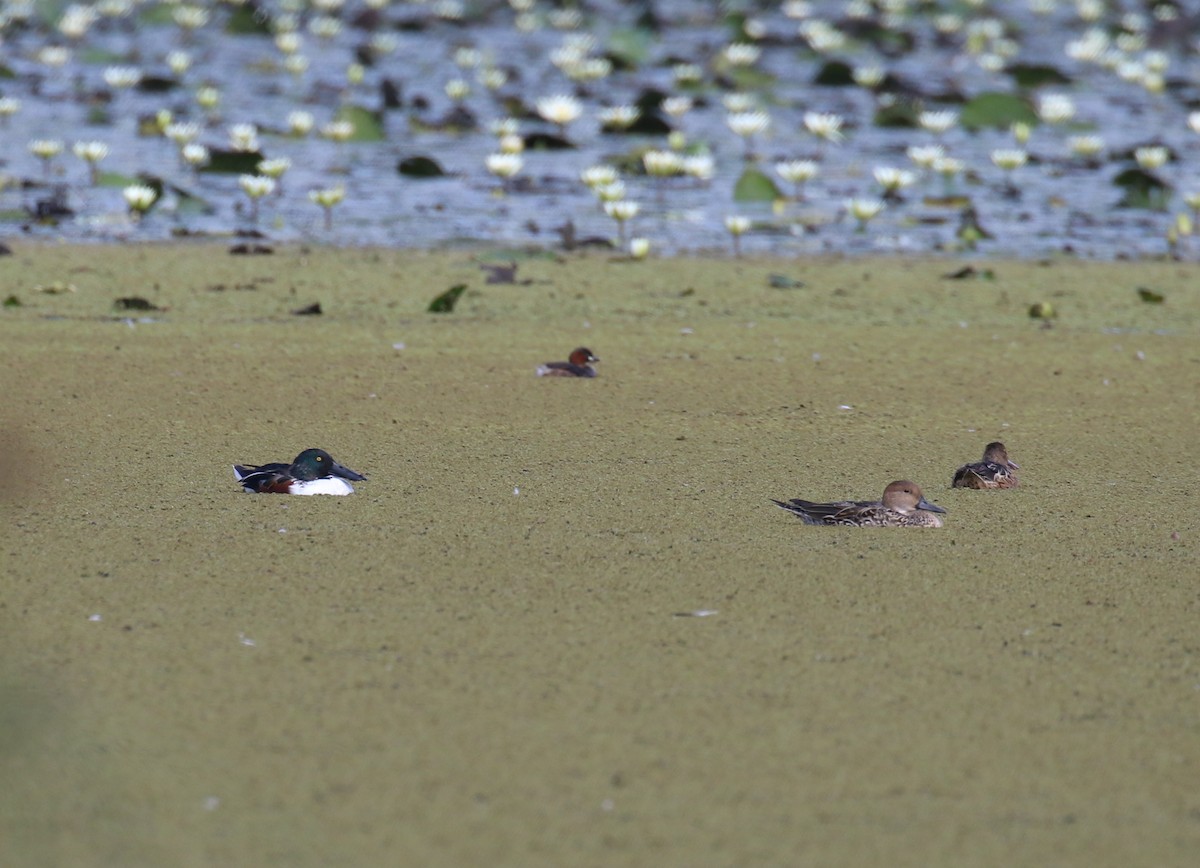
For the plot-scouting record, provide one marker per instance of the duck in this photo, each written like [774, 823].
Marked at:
[994, 471]
[903, 505]
[575, 366]
[313, 472]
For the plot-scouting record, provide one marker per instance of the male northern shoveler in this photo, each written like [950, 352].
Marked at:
[575, 366]
[903, 505]
[313, 472]
[994, 471]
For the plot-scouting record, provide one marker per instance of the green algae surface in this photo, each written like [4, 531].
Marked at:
[562, 623]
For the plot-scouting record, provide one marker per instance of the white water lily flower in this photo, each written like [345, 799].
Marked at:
[937, 122]
[662, 164]
[824, 126]
[598, 176]
[1152, 156]
[122, 77]
[139, 198]
[559, 110]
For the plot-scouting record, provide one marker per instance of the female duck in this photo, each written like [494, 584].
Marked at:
[994, 471]
[903, 505]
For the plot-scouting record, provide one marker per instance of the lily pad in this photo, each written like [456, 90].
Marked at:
[445, 302]
[228, 162]
[368, 126]
[1031, 75]
[997, 110]
[629, 48]
[754, 186]
[899, 113]
[248, 19]
[834, 73]
[420, 167]
[1143, 189]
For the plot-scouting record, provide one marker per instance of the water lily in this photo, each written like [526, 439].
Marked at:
[139, 198]
[937, 122]
[742, 54]
[613, 192]
[699, 166]
[864, 211]
[687, 74]
[925, 156]
[208, 98]
[300, 123]
[662, 164]
[122, 77]
[559, 110]
[9, 106]
[1008, 160]
[505, 167]
[737, 226]
[1151, 157]
[327, 198]
[275, 168]
[181, 132]
[255, 187]
[243, 137]
[869, 77]
[179, 62]
[825, 126]
[893, 180]
[748, 125]
[458, 89]
[46, 150]
[338, 131]
[598, 176]
[91, 153]
[194, 155]
[324, 27]
[798, 173]
[677, 106]
[622, 211]
[511, 144]
[492, 77]
[289, 42]
[1088, 147]
[619, 117]
[1056, 108]
[639, 248]
[189, 19]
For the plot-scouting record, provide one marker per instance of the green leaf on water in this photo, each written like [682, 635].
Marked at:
[834, 73]
[445, 302]
[1030, 75]
[1143, 189]
[248, 19]
[629, 48]
[229, 162]
[420, 167]
[754, 186]
[997, 110]
[368, 126]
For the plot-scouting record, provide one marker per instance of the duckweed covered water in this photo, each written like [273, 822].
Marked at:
[491, 653]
